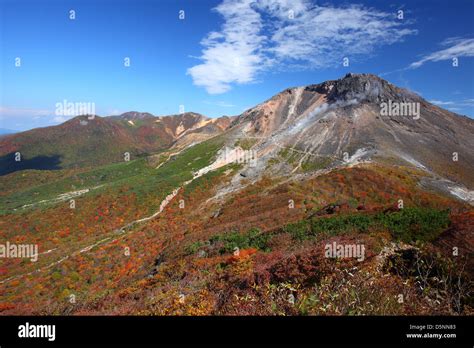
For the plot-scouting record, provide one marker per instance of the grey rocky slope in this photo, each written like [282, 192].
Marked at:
[346, 121]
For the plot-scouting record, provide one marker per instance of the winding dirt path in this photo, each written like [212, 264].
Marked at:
[122, 232]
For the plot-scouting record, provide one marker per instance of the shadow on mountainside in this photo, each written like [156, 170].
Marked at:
[9, 165]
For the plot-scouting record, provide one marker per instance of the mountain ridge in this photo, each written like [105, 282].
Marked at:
[327, 120]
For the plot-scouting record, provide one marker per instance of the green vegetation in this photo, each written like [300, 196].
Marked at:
[246, 143]
[412, 224]
[289, 155]
[96, 177]
[409, 224]
[207, 179]
[194, 247]
[136, 176]
[253, 238]
[311, 163]
[316, 163]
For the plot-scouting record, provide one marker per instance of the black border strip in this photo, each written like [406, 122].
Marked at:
[136, 330]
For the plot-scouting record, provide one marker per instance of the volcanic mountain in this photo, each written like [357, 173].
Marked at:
[357, 118]
[345, 121]
[234, 215]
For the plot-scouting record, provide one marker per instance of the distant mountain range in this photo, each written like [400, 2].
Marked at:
[87, 141]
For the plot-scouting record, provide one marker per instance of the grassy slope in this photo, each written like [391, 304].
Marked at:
[135, 174]
[131, 191]
[72, 145]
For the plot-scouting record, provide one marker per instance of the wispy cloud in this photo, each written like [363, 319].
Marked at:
[261, 34]
[455, 105]
[454, 48]
[233, 54]
[440, 102]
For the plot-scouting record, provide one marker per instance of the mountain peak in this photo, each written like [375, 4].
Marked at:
[361, 88]
[134, 115]
[345, 115]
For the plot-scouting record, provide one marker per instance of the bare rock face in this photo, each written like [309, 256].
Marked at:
[367, 88]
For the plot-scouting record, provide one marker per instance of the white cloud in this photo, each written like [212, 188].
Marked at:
[467, 103]
[455, 48]
[440, 102]
[322, 36]
[261, 34]
[231, 55]
[454, 105]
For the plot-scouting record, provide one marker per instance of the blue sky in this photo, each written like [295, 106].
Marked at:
[224, 56]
